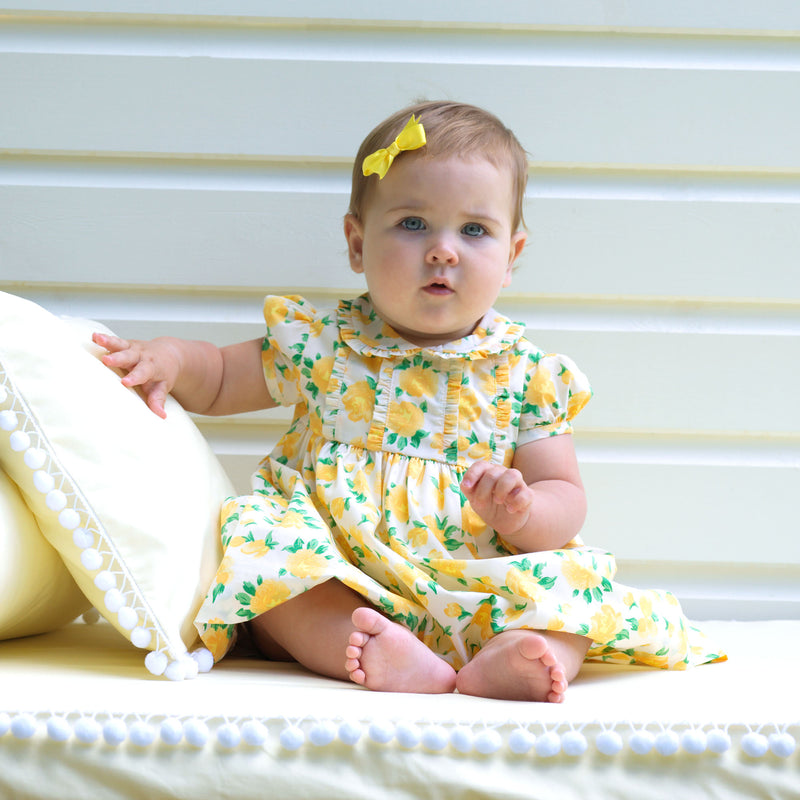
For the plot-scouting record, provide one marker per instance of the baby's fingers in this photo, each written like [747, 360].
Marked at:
[111, 343]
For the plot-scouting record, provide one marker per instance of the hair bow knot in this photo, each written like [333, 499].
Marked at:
[412, 137]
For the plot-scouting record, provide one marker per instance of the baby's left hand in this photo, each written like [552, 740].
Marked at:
[499, 495]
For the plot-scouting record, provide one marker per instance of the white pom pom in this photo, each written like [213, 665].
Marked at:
[254, 733]
[156, 662]
[23, 726]
[461, 739]
[667, 743]
[292, 738]
[488, 742]
[104, 580]
[171, 731]
[5, 723]
[35, 458]
[115, 731]
[19, 441]
[175, 671]
[521, 741]
[128, 619]
[548, 745]
[91, 617]
[229, 735]
[190, 669]
[718, 741]
[408, 735]
[141, 637]
[8, 420]
[196, 732]
[381, 732]
[322, 733]
[755, 744]
[642, 742]
[87, 730]
[142, 734]
[609, 743]
[114, 600]
[69, 519]
[782, 744]
[350, 732]
[3, 395]
[43, 481]
[56, 500]
[91, 559]
[58, 729]
[204, 659]
[574, 743]
[435, 738]
[694, 742]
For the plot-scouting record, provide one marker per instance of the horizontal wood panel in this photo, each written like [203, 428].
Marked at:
[249, 106]
[210, 235]
[704, 514]
[716, 15]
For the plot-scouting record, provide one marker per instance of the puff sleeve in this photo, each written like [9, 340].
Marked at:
[554, 392]
[293, 354]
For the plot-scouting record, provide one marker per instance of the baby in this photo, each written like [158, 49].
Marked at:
[416, 527]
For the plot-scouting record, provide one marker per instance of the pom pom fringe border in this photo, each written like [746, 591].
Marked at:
[123, 600]
[536, 740]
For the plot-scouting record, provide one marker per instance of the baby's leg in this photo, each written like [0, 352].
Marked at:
[524, 665]
[312, 628]
[385, 656]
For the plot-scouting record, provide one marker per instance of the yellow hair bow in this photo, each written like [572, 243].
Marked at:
[412, 137]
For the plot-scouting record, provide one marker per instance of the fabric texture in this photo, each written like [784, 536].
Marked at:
[364, 487]
[130, 502]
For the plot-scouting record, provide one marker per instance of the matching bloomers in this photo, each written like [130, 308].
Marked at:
[364, 488]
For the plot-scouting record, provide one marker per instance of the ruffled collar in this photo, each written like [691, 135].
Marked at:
[366, 333]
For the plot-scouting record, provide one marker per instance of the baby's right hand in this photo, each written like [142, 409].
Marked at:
[152, 365]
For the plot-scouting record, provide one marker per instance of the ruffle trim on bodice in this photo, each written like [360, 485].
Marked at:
[367, 334]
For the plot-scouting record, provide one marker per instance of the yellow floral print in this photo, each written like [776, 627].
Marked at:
[306, 564]
[579, 576]
[405, 418]
[364, 488]
[269, 594]
[418, 381]
[359, 400]
[541, 391]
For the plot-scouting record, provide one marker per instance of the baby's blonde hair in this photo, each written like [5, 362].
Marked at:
[451, 129]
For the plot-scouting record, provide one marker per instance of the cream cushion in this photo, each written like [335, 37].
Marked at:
[37, 593]
[130, 501]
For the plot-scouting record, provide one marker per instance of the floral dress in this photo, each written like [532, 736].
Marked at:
[364, 487]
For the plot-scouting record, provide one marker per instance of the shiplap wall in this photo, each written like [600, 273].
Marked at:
[163, 165]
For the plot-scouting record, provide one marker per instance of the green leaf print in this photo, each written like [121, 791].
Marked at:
[451, 452]
[417, 438]
[218, 590]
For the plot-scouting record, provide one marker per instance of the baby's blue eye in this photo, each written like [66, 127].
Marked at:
[473, 229]
[413, 224]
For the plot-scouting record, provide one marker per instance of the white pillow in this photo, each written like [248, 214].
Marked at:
[130, 501]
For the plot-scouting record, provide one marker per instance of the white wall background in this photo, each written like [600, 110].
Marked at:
[163, 165]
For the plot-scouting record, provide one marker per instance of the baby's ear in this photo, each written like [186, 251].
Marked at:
[517, 244]
[354, 233]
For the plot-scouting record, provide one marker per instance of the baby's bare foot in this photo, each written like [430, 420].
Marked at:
[515, 665]
[384, 656]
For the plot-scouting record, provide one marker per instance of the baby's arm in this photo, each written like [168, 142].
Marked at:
[536, 504]
[203, 378]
